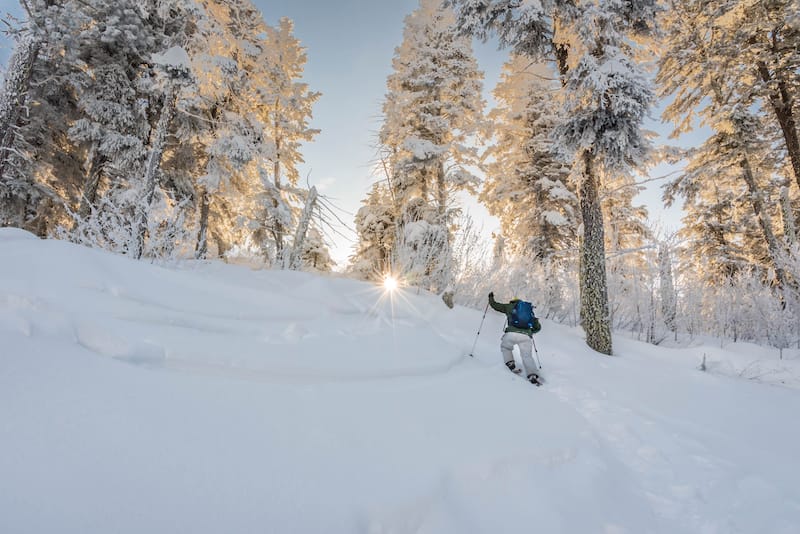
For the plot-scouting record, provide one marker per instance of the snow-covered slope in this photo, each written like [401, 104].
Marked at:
[210, 398]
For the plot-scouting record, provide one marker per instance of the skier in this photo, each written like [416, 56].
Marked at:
[522, 324]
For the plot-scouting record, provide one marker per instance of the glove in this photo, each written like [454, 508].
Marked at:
[491, 294]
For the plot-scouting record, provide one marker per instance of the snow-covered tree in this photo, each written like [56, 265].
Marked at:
[104, 122]
[92, 98]
[314, 253]
[737, 163]
[432, 112]
[26, 198]
[175, 66]
[110, 70]
[257, 112]
[667, 286]
[766, 37]
[709, 226]
[376, 226]
[288, 103]
[229, 186]
[12, 102]
[606, 95]
[527, 185]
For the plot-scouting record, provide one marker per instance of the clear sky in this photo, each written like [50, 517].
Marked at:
[350, 44]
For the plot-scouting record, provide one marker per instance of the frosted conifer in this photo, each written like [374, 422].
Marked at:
[606, 97]
[433, 109]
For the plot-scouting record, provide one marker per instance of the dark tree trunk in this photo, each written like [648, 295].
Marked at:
[201, 249]
[89, 195]
[157, 145]
[782, 103]
[765, 222]
[594, 287]
[278, 231]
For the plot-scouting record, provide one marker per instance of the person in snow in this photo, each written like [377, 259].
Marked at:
[520, 333]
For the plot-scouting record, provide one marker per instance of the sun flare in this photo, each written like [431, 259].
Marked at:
[389, 283]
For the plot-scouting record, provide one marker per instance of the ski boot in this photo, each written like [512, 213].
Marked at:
[513, 367]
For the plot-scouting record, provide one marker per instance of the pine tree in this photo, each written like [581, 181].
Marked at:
[109, 139]
[739, 149]
[527, 184]
[288, 103]
[114, 43]
[770, 46]
[605, 97]
[22, 194]
[375, 225]
[92, 95]
[258, 113]
[433, 109]
[176, 71]
[12, 102]
[314, 254]
[709, 225]
[227, 131]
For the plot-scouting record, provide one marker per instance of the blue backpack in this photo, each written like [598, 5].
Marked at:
[522, 315]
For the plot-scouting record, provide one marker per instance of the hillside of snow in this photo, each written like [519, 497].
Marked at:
[210, 398]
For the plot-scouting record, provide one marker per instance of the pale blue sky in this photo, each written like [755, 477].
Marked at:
[350, 44]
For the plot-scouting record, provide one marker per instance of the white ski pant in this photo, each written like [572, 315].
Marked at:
[525, 349]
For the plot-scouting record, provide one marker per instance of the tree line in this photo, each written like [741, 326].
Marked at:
[158, 128]
[565, 152]
[175, 127]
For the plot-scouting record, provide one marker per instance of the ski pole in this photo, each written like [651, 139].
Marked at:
[479, 330]
[538, 360]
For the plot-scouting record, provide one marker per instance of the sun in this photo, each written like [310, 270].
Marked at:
[389, 283]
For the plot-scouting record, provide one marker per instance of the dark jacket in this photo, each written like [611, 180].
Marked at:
[507, 309]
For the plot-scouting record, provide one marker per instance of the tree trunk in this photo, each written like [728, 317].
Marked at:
[201, 249]
[302, 229]
[444, 260]
[157, 144]
[222, 245]
[441, 191]
[278, 230]
[789, 227]
[781, 101]
[15, 88]
[593, 284]
[89, 195]
[667, 288]
[764, 221]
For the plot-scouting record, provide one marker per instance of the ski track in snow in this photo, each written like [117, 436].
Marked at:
[681, 474]
[367, 417]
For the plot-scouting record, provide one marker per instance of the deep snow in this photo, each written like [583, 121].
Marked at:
[209, 398]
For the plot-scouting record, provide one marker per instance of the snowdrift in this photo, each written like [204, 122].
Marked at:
[210, 398]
